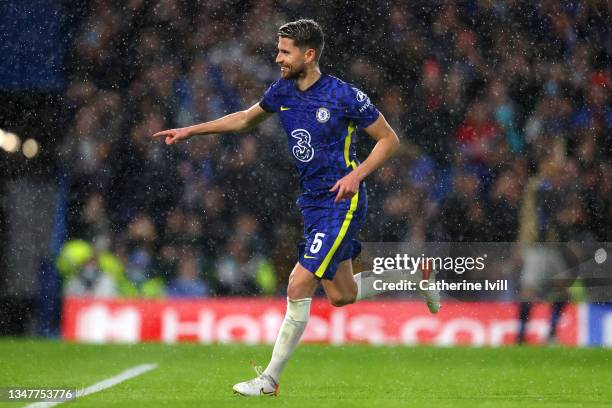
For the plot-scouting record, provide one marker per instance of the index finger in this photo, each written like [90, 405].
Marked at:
[163, 133]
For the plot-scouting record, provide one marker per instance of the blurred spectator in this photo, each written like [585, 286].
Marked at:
[475, 135]
[90, 281]
[188, 282]
[239, 273]
[88, 271]
[94, 222]
[461, 216]
[504, 210]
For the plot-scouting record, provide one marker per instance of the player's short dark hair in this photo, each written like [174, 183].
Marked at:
[304, 33]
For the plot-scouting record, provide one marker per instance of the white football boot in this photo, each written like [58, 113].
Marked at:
[262, 385]
[431, 296]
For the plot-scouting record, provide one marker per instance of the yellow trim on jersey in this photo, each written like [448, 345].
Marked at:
[345, 225]
[347, 145]
[349, 215]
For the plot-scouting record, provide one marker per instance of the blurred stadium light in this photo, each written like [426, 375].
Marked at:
[9, 141]
[30, 148]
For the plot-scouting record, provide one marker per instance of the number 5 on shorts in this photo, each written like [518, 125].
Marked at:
[317, 243]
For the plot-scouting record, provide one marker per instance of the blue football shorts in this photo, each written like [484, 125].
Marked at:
[330, 232]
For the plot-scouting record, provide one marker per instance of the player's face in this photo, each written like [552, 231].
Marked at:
[290, 58]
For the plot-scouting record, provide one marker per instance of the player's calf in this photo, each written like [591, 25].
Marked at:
[342, 290]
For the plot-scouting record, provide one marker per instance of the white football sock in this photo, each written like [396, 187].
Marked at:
[365, 281]
[296, 318]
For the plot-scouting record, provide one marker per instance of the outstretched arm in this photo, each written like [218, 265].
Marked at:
[387, 143]
[234, 122]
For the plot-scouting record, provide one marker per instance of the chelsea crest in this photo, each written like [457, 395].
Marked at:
[323, 115]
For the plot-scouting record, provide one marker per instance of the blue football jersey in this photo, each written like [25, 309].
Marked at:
[320, 123]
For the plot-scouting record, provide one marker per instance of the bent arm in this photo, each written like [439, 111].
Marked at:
[387, 143]
[234, 122]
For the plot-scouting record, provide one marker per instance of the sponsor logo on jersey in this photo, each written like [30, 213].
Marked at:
[302, 150]
[365, 106]
[360, 95]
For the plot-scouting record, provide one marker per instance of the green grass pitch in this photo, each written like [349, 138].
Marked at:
[192, 375]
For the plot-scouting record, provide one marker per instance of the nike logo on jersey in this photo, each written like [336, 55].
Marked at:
[284, 109]
[310, 257]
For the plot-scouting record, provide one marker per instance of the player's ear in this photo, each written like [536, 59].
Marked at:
[310, 55]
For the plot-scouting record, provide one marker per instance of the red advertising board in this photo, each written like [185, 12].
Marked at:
[257, 320]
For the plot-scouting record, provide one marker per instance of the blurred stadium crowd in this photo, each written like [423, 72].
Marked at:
[503, 109]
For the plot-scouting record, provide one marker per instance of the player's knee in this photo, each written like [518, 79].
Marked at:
[297, 292]
[343, 299]
[293, 293]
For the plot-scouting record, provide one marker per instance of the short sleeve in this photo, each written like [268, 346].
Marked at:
[270, 100]
[360, 109]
